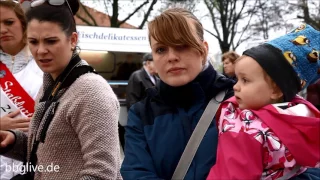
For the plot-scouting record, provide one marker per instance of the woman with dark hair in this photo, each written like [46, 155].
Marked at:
[18, 67]
[160, 126]
[75, 124]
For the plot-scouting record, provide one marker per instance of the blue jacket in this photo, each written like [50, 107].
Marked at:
[160, 126]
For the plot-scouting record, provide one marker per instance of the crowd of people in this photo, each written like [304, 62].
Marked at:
[67, 115]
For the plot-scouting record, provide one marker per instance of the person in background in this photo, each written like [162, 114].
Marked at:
[141, 80]
[228, 60]
[313, 93]
[75, 124]
[266, 130]
[160, 125]
[16, 57]
[126, 68]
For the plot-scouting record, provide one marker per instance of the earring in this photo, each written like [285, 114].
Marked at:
[72, 48]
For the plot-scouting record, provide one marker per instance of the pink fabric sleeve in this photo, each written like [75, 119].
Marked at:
[239, 156]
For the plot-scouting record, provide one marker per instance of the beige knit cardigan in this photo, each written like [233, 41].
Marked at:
[82, 139]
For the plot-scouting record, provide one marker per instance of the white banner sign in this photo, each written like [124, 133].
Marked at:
[113, 39]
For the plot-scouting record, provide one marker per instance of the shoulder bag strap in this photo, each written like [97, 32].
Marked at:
[197, 136]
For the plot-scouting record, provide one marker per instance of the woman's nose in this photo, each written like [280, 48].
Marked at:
[3, 29]
[172, 55]
[42, 49]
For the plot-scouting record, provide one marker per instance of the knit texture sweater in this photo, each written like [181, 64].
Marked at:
[82, 139]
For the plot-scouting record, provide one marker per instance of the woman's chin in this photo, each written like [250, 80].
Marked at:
[45, 70]
[176, 82]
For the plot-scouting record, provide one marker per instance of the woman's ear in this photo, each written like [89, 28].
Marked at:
[206, 48]
[74, 39]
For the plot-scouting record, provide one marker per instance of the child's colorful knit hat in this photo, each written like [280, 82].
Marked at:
[292, 61]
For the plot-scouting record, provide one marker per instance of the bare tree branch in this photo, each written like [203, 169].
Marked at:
[94, 23]
[84, 20]
[213, 20]
[212, 33]
[225, 16]
[240, 13]
[114, 21]
[145, 18]
[245, 29]
[136, 10]
[106, 6]
[306, 14]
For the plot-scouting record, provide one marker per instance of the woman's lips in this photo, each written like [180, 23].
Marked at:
[5, 38]
[45, 61]
[175, 70]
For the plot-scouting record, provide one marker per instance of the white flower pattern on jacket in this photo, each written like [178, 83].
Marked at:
[276, 158]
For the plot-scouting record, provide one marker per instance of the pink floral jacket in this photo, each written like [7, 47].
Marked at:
[268, 143]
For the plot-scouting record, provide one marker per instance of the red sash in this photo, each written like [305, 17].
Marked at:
[15, 91]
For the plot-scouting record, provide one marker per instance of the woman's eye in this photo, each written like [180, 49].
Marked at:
[51, 41]
[160, 50]
[32, 42]
[8, 22]
[182, 47]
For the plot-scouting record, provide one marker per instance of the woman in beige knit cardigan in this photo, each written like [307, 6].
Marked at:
[74, 130]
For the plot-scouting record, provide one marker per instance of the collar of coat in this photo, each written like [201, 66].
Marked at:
[201, 89]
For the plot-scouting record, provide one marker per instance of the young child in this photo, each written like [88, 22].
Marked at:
[266, 130]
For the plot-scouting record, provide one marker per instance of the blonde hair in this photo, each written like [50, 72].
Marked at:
[231, 55]
[16, 8]
[172, 28]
